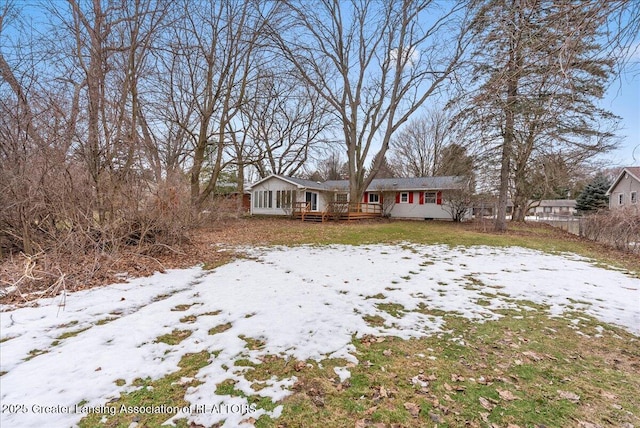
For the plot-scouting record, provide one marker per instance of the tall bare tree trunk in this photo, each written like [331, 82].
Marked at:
[507, 142]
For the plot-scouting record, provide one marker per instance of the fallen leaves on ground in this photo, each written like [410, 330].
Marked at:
[413, 409]
[506, 395]
[486, 404]
[532, 355]
[567, 395]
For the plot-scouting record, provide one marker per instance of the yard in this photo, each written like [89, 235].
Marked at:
[389, 324]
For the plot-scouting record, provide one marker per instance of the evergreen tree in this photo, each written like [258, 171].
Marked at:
[385, 170]
[594, 196]
[454, 160]
[538, 71]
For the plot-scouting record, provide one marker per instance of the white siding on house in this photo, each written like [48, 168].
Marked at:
[622, 192]
[323, 198]
[413, 203]
[271, 187]
[416, 210]
[553, 207]
[264, 197]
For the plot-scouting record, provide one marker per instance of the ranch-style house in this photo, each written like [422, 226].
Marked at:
[408, 198]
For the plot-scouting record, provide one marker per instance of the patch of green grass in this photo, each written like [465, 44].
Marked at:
[104, 321]
[487, 294]
[511, 371]
[424, 309]
[219, 328]
[242, 362]
[69, 324]
[374, 320]
[175, 337]
[189, 319]
[376, 296]
[533, 236]
[211, 265]
[252, 343]
[212, 313]
[227, 387]
[161, 297]
[74, 333]
[396, 310]
[34, 353]
[508, 371]
[168, 391]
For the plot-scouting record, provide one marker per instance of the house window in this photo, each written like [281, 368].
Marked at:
[621, 199]
[283, 198]
[430, 197]
[342, 197]
[263, 199]
[374, 198]
[311, 198]
[548, 210]
[634, 197]
[404, 197]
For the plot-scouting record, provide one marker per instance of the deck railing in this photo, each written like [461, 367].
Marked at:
[361, 207]
[338, 210]
[341, 210]
[301, 207]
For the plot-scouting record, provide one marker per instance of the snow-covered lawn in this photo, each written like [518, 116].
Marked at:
[303, 303]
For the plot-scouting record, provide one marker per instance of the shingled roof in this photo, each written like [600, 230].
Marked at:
[398, 184]
[380, 184]
[633, 171]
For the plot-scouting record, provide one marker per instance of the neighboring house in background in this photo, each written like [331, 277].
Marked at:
[625, 190]
[410, 198]
[487, 207]
[547, 208]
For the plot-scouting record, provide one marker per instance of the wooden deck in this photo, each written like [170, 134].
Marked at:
[337, 211]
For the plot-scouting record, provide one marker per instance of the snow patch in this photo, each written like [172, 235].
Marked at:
[303, 303]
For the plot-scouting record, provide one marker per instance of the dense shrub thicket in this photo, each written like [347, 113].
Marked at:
[619, 228]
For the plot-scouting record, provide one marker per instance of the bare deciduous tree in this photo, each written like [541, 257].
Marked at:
[286, 123]
[416, 149]
[210, 66]
[375, 63]
[330, 167]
